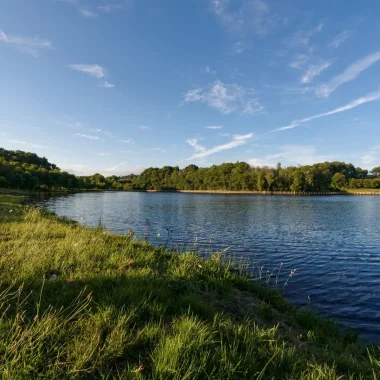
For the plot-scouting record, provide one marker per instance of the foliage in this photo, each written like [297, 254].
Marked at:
[339, 181]
[321, 177]
[369, 183]
[83, 303]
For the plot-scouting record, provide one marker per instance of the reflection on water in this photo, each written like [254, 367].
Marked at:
[334, 242]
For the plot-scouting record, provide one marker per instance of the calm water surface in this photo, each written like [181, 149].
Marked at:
[333, 242]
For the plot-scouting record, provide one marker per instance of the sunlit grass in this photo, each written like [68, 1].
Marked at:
[83, 303]
[363, 190]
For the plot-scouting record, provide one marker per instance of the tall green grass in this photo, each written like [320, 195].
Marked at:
[83, 303]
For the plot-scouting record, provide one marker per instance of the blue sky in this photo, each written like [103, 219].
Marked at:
[115, 86]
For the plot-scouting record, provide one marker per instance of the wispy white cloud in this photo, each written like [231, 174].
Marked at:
[373, 96]
[314, 70]
[225, 98]
[252, 107]
[161, 150]
[96, 71]
[87, 13]
[27, 45]
[245, 16]
[348, 75]
[194, 144]
[209, 70]
[107, 85]
[214, 127]
[129, 141]
[236, 141]
[144, 127]
[299, 61]
[115, 167]
[89, 137]
[303, 37]
[339, 39]
[238, 48]
[88, 9]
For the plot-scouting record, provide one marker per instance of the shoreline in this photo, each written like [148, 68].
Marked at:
[350, 192]
[275, 193]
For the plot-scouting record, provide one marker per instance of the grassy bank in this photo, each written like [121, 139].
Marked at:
[83, 303]
[359, 191]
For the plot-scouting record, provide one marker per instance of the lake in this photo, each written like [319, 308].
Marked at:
[332, 242]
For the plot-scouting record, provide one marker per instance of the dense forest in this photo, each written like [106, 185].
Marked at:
[22, 170]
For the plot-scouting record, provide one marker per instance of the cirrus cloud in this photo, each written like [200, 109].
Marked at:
[87, 13]
[226, 98]
[202, 152]
[95, 71]
[89, 137]
[27, 45]
[372, 97]
[351, 73]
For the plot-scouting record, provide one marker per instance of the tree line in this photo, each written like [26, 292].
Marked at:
[23, 170]
[327, 176]
[27, 171]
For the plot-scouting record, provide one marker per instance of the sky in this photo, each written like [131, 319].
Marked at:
[116, 86]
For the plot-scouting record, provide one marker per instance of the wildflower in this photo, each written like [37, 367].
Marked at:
[53, 277]
[158, 235]
[10, 210]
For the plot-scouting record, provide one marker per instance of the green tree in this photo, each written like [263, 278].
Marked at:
[376, 171]
[339, 181]
[299, 181]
